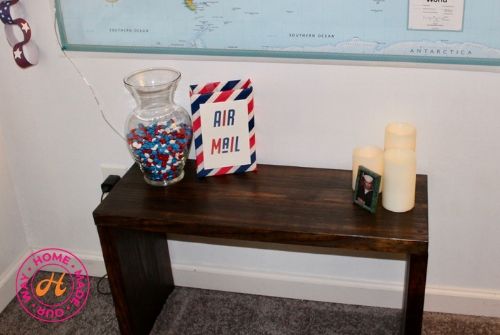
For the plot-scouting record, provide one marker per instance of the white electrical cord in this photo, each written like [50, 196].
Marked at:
[91, 88]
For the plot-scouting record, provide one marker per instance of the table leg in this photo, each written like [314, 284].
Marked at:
[414, 294]
[140, 276]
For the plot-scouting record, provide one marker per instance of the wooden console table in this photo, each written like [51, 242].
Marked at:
[278, 204]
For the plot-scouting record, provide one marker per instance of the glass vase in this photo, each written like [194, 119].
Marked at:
[158, 130]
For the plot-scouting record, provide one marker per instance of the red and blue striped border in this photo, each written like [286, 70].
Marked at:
[221, 92]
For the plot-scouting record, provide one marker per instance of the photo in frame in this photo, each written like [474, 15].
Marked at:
[366, 193]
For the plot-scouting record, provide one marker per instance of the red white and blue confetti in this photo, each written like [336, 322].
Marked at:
[161, 149]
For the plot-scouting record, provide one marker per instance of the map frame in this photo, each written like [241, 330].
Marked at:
[296, 55]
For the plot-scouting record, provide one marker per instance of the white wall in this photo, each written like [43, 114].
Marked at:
[13, 245]
[309, 114]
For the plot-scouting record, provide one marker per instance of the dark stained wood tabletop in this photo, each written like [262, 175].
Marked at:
[281, 204]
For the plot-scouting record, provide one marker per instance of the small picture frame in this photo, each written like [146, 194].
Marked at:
[367, 189]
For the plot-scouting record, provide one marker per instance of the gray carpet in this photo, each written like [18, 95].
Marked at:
[194, 311]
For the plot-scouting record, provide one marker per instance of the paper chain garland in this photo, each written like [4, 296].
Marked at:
[25, 52]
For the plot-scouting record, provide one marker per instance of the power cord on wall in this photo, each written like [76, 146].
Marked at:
[90, 87]
[112, 180]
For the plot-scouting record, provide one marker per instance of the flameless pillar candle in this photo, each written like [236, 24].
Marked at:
[400, 175]
[370, 157]
[400, 136]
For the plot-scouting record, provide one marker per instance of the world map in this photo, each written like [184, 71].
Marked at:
[283, 28]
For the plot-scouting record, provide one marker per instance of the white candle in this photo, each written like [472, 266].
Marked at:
[400, 175]
[370, 157]
[400, 136]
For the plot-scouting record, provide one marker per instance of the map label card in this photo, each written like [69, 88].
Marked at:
[436, 15]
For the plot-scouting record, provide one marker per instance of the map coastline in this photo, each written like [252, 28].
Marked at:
[190, 5]
[408, 48]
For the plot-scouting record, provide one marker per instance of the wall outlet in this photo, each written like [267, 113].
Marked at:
[112, 169]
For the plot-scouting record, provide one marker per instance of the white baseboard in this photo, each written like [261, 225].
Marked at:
[8, 280]
[327, 289]
[458, 300]
[94, 264]
[455, 300]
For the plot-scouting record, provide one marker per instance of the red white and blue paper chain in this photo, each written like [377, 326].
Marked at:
[222, 92]
[24, 51]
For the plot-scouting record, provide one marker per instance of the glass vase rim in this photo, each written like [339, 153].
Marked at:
[126, 79]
